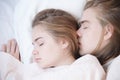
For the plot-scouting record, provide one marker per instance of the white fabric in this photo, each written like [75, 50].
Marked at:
[6, 20]
[114, 70]
[25, 12]
[8, 64]
[85, 68]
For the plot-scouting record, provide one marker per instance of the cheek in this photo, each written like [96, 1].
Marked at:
[46, 52]
[51, 54]
[89, 41]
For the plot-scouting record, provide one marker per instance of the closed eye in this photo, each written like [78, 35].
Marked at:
[84, 24]
[85, 27]
[41, 44]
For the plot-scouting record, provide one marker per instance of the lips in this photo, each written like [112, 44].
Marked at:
[37, 59]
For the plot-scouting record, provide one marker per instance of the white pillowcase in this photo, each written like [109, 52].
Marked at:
[6, 20]
[25, 12]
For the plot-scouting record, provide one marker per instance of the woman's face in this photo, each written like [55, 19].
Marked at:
[47, 52]
[90, 31]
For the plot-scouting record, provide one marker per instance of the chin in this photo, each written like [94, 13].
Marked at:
[82, 53]
[41, 66]
[45, 66]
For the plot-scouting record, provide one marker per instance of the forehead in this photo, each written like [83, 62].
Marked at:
[89, 15]
[38, 31]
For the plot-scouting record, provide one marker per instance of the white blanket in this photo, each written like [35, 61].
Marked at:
[84, 68]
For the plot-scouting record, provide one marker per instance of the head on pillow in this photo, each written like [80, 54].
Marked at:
[61, 28]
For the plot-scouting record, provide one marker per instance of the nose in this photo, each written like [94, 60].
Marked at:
[79, 32]
[35, 52]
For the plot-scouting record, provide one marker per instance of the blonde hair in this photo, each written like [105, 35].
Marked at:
[59, 24]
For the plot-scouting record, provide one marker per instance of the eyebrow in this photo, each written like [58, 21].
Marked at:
[81, 22]
[37, 39]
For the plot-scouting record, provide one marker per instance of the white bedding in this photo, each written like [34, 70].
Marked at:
[6, 20]
[16, 17]
[84, 68]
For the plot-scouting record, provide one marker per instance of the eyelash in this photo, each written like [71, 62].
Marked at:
[41, 44]
[85, 27]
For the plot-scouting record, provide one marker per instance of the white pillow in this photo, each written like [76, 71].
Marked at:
[6, 20]
[25, 12]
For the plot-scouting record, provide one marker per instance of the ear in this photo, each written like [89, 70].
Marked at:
[64, 43]
[108, 31]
